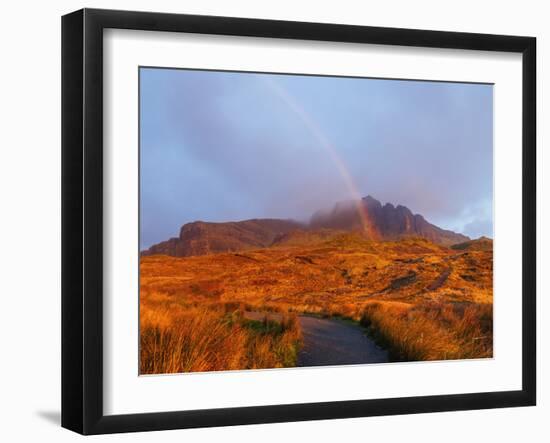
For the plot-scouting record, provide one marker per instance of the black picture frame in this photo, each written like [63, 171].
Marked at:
[82, 218]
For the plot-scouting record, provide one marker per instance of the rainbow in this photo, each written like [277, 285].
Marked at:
[315, 130]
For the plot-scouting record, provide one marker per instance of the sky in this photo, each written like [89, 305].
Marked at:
[226, 146]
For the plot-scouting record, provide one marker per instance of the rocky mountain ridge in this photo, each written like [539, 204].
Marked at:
[367, 217]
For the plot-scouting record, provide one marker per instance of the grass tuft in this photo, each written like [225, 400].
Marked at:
[431, 330]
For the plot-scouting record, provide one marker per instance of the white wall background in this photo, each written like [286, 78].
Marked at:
[30, 218]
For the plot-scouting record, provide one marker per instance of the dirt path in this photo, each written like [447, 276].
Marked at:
[335, 342]
[332, 342]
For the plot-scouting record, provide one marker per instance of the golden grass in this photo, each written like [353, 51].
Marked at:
[432, 330]
[176, 338]
[422, 301]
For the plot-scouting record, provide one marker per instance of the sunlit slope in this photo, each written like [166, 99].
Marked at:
[313, 274]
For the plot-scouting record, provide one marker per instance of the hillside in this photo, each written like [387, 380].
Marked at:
[367, 218]
[201, 238]
[343, 270]
[479, 244]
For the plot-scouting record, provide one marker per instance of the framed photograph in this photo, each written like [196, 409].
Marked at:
[268, 221]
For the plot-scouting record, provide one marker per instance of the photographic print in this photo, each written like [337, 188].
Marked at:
[303, 220]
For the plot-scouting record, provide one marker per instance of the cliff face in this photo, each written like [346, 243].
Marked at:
[386, 222]
[201, 238]
[367, 217]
